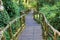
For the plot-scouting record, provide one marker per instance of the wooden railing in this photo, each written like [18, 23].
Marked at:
[9, 29]
[49, 32]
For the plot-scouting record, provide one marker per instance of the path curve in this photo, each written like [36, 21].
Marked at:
[33, 30]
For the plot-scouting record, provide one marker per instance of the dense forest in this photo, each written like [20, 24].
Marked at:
[51, 8]
[13, 8]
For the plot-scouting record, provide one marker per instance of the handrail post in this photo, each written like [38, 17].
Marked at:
[24, 19]
[47, 32]
[43, 23]
[21, 22]
[10, 32]
[55, 36]
[1, 35]
[39, 16]
[45, 29]
[3, 38]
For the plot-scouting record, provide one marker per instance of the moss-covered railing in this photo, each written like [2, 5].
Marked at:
[11, 32]
[49, 32]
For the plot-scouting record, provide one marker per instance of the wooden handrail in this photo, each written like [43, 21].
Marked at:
[47, 27]
[10, 23]
[9, 27]
[54, 30]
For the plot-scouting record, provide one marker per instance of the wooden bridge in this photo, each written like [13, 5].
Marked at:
[30, 29]
[33, 30]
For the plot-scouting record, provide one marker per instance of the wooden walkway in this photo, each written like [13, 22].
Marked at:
[33, 30]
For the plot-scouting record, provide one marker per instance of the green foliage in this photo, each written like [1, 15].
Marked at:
[33, 4]
[4, 18]
[12, 8]
[53, 14]
[7, 35]
[12, 11]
